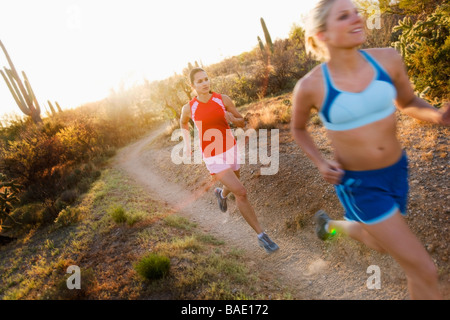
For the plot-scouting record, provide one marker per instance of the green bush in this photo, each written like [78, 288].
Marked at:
[29, 214]
[69, 196]
[35, 161]
[68, 216]
[118, 214]
[425, 46]
[153, 266]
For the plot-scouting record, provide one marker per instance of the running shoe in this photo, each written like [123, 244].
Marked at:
[321, 219]
[266, 243]
[222, 201]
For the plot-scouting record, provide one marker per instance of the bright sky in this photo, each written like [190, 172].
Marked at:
[75, 51]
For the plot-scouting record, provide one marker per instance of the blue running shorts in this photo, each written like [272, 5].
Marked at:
[375, 195]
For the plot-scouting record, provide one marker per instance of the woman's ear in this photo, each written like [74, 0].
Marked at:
[321, 36]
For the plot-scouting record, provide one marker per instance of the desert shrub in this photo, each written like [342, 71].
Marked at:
[118, 214]
[33, 162]
[69, 196]
[153, 266]
[68, 216]
[8, 197]
[14, 129]
[241, 88]
[425, 46]
[28, 215]
[48, 159]
[134, 217]
[79, 141]
[270, 116]
[244, 90]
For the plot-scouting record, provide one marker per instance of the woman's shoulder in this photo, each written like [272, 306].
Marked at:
[218, 94]
[386, 51]
[186, 106]
[389, 58]
[385, 55]
[311, 81]
[225, 98]
[309, 90]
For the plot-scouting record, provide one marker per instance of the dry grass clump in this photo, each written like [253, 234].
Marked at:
[271, 115]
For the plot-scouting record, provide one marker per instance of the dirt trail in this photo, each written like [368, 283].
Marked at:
[301, 262]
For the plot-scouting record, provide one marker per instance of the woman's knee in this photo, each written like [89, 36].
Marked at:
[422, 268]
[372, 242]
[429, 271]
[240, 192]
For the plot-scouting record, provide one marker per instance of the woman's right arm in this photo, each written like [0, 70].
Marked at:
[184, 124]
[302, 98]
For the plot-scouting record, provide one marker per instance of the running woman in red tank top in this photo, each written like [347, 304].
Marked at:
[211, 113]
[210, 121]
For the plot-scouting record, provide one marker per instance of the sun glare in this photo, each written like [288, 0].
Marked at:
[77, 51]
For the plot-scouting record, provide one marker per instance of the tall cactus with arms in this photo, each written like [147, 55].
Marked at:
[267, 52]
[21, 91]
[267, 35]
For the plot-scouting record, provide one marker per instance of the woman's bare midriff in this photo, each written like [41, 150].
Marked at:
[373, 146]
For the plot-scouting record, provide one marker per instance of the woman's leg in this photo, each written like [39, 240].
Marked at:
[227, 191]
[355, 231]
[232, 184]
[394, 236]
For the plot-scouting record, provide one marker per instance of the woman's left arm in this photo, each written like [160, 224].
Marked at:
[232, 115]
[408, 102]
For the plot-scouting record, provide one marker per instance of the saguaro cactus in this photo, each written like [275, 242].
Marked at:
[267, 35]
[267, 52]
[261, 45]
[52, 109]
[58, 106]
[21, 90]
[266, 49]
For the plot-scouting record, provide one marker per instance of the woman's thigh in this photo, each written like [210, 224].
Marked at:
[395, 236]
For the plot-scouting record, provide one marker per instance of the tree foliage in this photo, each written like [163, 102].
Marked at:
[425, 46]
[9, 191]
[419, 8]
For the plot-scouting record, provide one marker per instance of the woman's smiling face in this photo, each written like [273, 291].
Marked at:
[344, 26]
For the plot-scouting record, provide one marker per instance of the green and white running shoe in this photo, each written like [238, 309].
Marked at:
[321, 218]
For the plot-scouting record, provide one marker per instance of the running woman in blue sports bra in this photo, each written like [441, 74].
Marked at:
[354, 92]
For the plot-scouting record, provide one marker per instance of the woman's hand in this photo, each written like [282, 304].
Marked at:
[229, 117]
[331, 171]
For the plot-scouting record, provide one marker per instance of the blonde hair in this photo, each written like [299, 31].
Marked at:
[316, 23]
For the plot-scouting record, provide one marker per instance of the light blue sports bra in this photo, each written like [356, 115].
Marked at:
[342, 110]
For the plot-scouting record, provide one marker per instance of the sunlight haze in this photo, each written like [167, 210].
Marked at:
[76, 51]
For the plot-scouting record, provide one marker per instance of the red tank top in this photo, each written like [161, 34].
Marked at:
[214, 132]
